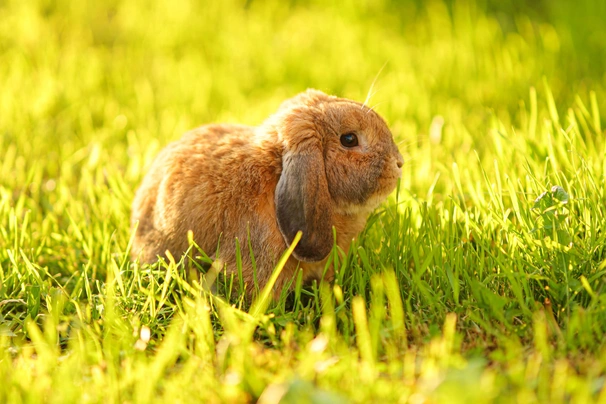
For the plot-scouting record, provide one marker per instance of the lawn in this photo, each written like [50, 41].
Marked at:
[481, 279]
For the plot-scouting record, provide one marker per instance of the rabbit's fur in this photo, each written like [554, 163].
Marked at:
[291, 173]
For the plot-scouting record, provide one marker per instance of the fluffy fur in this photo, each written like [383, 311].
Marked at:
[291, 173]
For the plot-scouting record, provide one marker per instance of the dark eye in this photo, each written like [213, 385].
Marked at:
[349, 140]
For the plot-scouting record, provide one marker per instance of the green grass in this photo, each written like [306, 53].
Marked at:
[462, 288]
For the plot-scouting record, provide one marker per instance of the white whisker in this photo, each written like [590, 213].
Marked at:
[408, 142]
[375, 105]
[370, 93]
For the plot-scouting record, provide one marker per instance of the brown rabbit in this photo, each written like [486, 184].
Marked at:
[318, 162]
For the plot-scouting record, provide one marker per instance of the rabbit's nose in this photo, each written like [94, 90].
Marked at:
[399, 160]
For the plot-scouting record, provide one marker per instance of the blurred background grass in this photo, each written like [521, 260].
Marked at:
[93, 72]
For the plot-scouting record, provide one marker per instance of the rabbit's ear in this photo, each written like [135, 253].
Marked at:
[303, 203]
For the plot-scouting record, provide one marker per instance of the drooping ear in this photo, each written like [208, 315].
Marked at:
[303, 203]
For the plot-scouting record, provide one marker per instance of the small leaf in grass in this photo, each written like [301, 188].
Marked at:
[548, 199]
[554, 219]
[559, 193]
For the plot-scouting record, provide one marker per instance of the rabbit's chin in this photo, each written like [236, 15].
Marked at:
[362, 209]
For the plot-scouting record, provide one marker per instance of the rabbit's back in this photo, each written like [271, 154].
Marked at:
[217, 181]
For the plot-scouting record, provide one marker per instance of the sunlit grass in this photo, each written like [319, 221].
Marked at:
[480, 280]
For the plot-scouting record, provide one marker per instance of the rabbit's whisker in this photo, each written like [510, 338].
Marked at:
[372, 86]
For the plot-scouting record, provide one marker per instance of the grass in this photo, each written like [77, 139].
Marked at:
[480, 280]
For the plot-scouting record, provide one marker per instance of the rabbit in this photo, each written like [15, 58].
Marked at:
[319, 161]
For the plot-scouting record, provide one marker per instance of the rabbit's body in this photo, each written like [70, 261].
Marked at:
[263, 184]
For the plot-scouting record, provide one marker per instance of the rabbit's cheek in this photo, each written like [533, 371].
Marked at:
[351, 185]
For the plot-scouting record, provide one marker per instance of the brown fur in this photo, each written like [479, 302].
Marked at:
[228, 181]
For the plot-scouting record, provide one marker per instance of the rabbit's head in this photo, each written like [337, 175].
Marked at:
[339, 159]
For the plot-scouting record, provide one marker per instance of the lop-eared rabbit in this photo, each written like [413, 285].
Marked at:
[319, 162]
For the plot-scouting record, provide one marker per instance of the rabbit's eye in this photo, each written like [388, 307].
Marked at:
[349, 140]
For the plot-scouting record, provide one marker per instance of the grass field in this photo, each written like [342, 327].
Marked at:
[481, 280]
